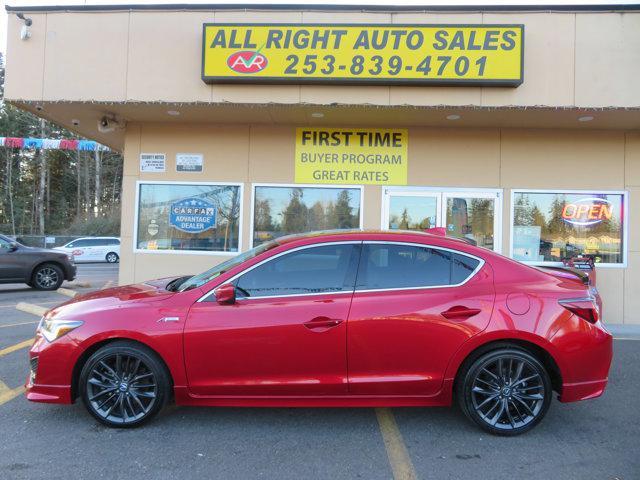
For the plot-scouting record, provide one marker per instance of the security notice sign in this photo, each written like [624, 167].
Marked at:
[381, 54]
[351, 156]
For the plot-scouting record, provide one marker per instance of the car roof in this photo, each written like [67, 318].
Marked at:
[364, 234]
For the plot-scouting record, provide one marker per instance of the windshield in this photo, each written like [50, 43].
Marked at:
[202, 278]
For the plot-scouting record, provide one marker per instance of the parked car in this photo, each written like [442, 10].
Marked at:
[357, 319]
[39, 268]
[93, 249]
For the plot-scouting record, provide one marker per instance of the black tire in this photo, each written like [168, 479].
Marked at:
[124, 384]
[112, 257]
[47, 276]
[505, 391]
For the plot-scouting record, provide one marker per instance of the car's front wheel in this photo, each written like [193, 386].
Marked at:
[505, 391]
[124, 384]
[47, 277]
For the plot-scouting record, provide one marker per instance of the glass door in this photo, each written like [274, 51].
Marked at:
[465, 213]
[410, 210]
[474, 216]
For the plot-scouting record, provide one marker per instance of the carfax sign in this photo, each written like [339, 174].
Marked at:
[351, 156]
[380, 54]
[193, 215]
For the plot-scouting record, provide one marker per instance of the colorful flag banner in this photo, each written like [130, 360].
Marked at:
[30, 143]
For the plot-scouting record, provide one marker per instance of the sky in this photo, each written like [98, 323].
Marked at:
[421, 3]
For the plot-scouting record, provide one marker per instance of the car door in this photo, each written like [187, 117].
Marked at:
[99, 249]
[81, 250]
[11, 265]
[413, 307]
[286, 332]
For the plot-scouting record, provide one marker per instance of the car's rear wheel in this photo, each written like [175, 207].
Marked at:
[505, 391]
[124, 384]
[47, 277]
[112, 257]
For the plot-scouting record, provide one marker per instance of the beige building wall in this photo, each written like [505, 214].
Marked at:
[571, 59]
[490, 158]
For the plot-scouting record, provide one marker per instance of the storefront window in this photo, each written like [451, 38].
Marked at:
[550, 226]
[188, 216]
[282, 210]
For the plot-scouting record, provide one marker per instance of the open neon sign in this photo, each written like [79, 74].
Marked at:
[587, 211]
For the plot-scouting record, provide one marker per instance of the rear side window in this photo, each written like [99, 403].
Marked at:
[328, 268]
[462, 267]
[80, 243]
[405, 266]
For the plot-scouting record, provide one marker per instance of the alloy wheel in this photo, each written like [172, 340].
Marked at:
[121, 388]
[47, 277]
[508, 392]
[112, 258]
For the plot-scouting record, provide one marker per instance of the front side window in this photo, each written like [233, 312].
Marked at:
[188, 217]
[385, 266]
[550, 227]
[322, 269]
[279, 211]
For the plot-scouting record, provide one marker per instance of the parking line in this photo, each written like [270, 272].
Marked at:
[7, 393]
[18, 324]
[17, 346]
[397, 453]
[13, 305]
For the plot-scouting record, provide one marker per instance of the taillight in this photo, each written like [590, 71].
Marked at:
[586, 308]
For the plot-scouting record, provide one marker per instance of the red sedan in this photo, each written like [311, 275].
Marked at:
[334, 319]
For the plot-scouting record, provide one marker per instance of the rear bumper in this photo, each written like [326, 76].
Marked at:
[574, 392]
[585, 352]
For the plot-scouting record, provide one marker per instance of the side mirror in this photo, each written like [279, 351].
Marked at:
[225, 294]
[13, 246]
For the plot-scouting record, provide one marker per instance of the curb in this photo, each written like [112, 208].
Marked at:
[31, 308]
[68, 292]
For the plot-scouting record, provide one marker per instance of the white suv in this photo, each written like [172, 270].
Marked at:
[93, 249]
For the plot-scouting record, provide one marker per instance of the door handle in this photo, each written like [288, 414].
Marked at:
[322, 323]
[460, 312]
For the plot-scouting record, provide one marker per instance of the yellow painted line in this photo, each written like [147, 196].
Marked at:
[107, 285]
[67, 291]
[7, 394]
[18, 324]
[79, 284]
[31, 308]
[13, 305]
[397, 453]
[17, 346]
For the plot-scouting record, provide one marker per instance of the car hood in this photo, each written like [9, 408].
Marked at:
[43, 250]
[117, 297]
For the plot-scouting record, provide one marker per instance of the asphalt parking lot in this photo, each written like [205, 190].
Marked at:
[596, 439]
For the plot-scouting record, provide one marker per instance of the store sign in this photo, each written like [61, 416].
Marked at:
[351, 156]
[587, 211]
[152, 162]
[189, 162]
[193, 215]
[379, 54]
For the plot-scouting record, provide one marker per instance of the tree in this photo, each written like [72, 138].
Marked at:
[295, 215]
[53, 191]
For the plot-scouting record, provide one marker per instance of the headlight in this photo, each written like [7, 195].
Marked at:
[52, 329]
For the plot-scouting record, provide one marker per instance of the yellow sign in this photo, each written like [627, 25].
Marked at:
[351, 156]
[380, 54]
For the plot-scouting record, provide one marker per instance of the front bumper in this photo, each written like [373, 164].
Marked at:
[51, 370]
[70, 272]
